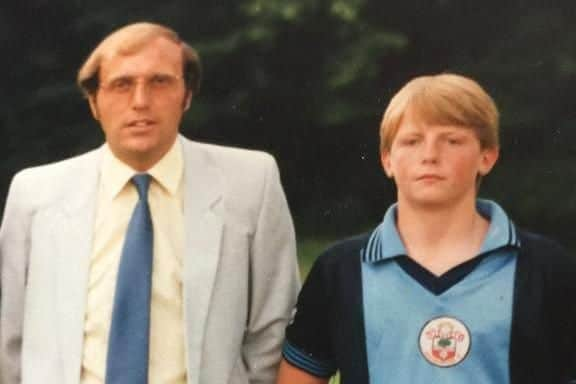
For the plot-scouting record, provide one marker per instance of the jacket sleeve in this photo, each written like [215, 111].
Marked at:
[14, 248]
[544, 316]
[274, 280]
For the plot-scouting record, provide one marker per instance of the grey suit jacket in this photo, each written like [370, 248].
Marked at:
[240, 275]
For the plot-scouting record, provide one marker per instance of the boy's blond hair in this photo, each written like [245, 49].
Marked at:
[130, 39]
[444, 99]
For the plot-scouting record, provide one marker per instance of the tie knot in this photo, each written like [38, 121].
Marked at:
[142, 183]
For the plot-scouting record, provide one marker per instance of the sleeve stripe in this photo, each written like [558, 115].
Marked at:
[303, 361]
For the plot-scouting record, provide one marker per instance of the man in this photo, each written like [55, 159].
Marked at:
[446, 290]
[153, 258]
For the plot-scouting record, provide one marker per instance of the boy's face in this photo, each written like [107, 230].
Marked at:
[436, 165]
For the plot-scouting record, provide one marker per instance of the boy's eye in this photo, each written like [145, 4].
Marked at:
[409, 141]
[454, 140]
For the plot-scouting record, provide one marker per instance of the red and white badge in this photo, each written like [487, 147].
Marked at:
[444, 341]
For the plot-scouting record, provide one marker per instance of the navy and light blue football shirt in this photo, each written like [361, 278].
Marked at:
[417, 327]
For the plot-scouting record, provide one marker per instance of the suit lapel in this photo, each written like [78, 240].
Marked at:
[72, 232]
[203, 232]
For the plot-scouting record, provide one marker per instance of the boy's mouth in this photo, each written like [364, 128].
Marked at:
[429, 177]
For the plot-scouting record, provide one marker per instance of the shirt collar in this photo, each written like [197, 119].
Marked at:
[168, 171]
[501, 232]
[385, 242]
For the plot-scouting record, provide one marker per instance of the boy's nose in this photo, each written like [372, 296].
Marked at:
[430, 151]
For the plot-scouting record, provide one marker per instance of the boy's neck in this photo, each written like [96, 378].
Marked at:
[440, 238]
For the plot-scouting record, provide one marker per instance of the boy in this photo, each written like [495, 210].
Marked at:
[446, 289]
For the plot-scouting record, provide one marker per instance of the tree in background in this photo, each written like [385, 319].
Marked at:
[308, 80]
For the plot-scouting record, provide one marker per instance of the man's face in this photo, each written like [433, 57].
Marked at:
[436, 165]
[140, 102]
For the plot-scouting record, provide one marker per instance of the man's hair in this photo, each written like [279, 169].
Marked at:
[443, 99]
[130, 39]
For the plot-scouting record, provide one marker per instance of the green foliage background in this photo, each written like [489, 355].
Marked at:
[308, 80]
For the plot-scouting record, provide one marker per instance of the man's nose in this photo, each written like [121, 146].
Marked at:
[140, 95]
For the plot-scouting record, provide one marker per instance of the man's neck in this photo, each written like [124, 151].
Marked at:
[439, 238]
[141, 162]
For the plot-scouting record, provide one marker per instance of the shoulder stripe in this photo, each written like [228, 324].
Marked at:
[369, 254]
[376, 248]
[513, 236]
[307, 363]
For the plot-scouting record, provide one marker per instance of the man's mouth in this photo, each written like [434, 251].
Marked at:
[140, 123]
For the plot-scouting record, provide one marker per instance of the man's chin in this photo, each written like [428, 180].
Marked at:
[140, 145]
[138, 155]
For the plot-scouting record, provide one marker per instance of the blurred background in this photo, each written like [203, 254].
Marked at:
[308, 80]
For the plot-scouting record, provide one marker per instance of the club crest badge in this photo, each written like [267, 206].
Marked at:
[444, 341]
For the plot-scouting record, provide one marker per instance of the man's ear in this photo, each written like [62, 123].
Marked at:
[386, 163]
[93, 106]
[488, 159]
[187, 100]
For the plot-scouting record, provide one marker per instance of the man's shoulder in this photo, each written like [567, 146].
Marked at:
[38, 185]
[57, 169]
[230, 160]
[244, 178]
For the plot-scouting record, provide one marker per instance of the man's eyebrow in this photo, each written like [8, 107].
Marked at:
[119, 77]
[132, 76]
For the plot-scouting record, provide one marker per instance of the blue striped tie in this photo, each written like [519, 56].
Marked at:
[127, 360]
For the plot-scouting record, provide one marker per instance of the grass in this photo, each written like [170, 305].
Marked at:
[308, 250]
[335, 379]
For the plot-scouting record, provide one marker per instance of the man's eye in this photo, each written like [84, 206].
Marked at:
[121, 85]
[161, 81]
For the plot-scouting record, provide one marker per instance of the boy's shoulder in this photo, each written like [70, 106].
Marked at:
[344, 252]
[338, 266]
[549, 261]
[541, 249]
[536, 250]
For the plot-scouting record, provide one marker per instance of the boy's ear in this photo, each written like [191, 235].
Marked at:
[386, 164]
[488, 160]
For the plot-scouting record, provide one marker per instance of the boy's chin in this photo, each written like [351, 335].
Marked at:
[434, 200]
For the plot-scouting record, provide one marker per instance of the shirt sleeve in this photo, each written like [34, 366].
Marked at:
[308, 344]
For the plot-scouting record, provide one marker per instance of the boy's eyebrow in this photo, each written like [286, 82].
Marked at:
[460, 132]
[409, 135]
[453, 132]
[411, 129]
